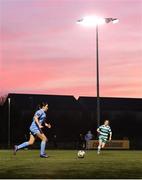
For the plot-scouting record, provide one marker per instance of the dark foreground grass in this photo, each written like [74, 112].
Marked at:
[65, 164]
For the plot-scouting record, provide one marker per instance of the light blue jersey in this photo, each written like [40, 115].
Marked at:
[41, 117]
[34, 130]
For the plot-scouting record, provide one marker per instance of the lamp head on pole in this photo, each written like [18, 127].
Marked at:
[113, 20]
[94, 20]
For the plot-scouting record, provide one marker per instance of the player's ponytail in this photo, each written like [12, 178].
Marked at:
[38, 106]
[41, 105]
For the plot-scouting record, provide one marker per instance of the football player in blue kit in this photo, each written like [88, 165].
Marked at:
[36, 131]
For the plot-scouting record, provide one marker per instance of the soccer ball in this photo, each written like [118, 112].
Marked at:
[81, 154]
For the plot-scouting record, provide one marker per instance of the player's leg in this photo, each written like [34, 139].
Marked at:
[25, 144]
[87, 145]
[43, 144]
[103, 144]
[99, 146]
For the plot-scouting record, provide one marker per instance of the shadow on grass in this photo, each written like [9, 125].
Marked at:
[26, 173]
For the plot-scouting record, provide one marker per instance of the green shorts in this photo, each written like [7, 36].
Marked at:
[101, 138]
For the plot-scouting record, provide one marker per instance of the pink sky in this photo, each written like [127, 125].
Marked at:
[43, 50]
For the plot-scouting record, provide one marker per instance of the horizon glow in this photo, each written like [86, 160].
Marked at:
[44, 51]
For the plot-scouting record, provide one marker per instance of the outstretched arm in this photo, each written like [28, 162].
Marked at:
[110, 136]
[48, 125]
[98, 130]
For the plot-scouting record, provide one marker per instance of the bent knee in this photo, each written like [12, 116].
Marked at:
[31, 142]
[45, 139]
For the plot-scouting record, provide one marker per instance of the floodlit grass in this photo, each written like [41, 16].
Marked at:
[65, 164]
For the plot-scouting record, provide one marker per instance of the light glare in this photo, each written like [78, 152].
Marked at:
[91, 21]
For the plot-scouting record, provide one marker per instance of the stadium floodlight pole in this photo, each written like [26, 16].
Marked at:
[98, 78]
[96, 21]
[9, 116]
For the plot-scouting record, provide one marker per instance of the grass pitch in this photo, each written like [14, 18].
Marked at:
[65, 164]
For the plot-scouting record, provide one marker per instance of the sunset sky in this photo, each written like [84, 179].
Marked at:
[43, 50]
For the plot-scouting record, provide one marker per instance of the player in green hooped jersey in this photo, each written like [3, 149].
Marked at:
[105, 133]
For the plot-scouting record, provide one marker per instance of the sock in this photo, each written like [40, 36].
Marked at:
[42, 148]
[99, 148]
[22, 145]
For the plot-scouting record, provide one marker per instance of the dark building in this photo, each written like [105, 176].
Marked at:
[70, 117]
[64, 114]
[125, 115]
